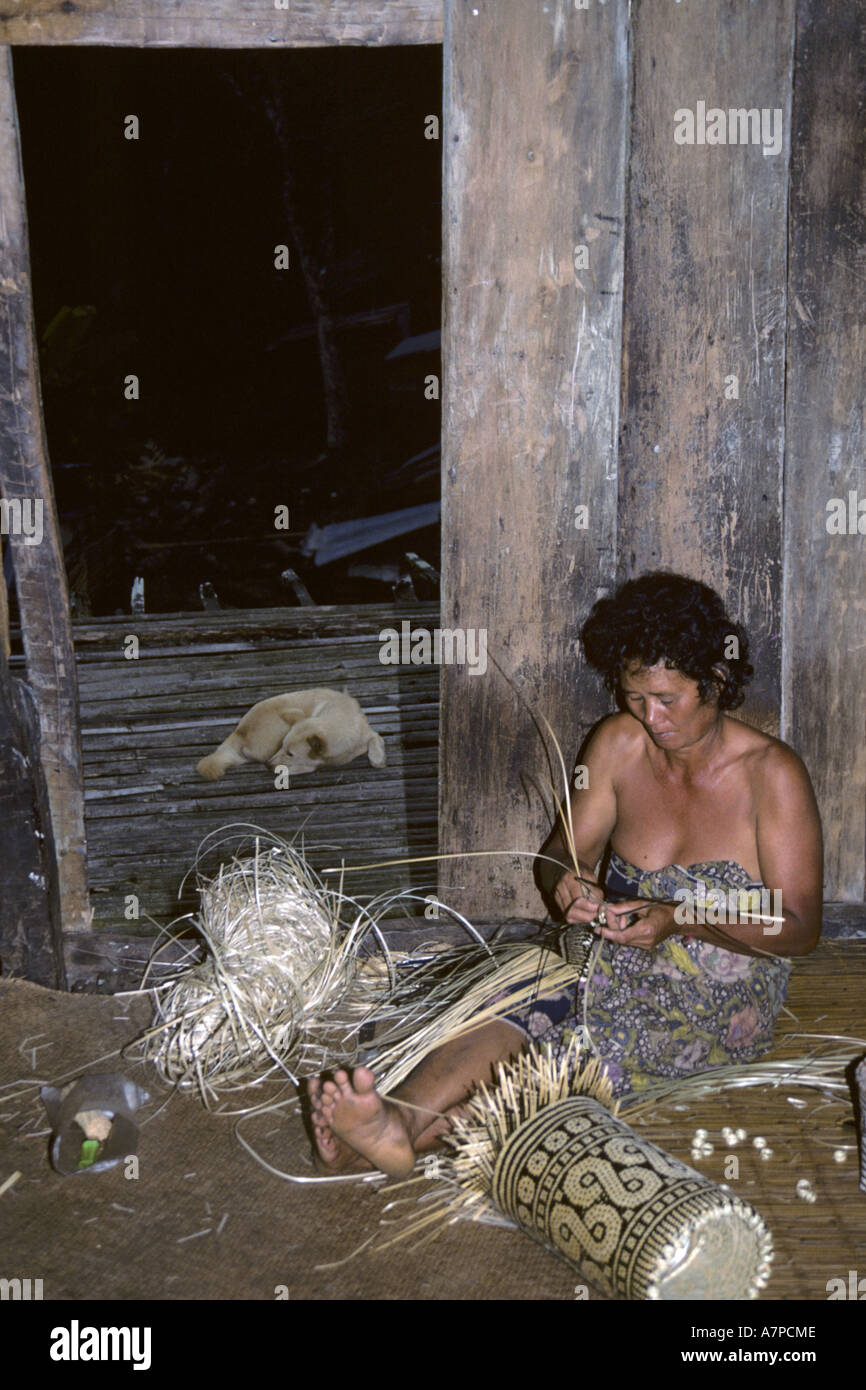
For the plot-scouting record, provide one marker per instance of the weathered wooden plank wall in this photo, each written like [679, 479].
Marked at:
[706, 452]
[538, 116]
[25, 481]
[824, 637]
[223, 23]
[700, 466]
[535, 144]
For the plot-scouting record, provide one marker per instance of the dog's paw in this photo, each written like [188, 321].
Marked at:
[211, 768]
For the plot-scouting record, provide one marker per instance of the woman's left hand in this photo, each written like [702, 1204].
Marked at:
[648, 930]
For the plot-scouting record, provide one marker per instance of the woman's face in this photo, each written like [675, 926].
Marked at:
[668, 705]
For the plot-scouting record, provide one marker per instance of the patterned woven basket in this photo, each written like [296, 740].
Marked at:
[634, 1221]
[545, 1147]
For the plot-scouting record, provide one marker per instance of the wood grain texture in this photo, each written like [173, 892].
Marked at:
[700, 475]
[535, 136]
[825, 575]
[40, 578]
[221, 23]
[5, 641]
[30, 944]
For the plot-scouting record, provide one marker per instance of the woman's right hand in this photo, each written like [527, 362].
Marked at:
[577, 901]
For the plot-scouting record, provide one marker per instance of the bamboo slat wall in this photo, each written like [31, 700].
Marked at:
[146, 722]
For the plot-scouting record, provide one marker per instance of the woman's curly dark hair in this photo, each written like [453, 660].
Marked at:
[665, 617]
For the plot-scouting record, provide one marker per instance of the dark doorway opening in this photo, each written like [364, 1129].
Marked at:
[260, 386]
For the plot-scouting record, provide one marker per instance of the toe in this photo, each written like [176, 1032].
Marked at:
[344, 1085]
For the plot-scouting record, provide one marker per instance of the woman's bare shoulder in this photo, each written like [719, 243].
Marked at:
[616, 736]
[771, 758]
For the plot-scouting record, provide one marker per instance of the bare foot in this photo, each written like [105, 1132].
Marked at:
[353, 1112]
[330, 1155]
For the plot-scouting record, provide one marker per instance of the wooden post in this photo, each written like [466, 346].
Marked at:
[702, 439]
[25, 483]
[535, 116]
[30, 937]
[5, 640]
[825, 612]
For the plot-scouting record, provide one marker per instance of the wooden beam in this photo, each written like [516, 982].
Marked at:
[25, 483]
[251, 629]
[825, 602]
[700, 470]
[224, 23]
[535, 124]
[104, 962]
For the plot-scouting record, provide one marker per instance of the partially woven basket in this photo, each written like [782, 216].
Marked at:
[280, 991]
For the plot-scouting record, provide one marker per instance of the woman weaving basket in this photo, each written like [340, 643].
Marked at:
[682, 800]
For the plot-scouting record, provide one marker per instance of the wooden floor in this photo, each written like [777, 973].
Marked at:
[146, 723]
[110, 1242]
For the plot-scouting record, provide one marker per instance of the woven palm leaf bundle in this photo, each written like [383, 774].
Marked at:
[281, 990]
[288, 982]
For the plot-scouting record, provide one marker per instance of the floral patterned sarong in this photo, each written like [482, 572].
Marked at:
[682, 1008]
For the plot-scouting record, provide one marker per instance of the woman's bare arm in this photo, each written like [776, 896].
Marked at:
[593, 817]
[790, 852]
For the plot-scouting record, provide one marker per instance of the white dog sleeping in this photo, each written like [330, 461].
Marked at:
[300, 731]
